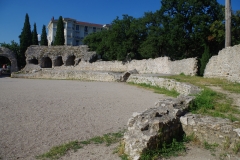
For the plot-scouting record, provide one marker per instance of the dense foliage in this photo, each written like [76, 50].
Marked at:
[25, 40]
[59, 39]
[179, 29]
[44, 41]
[34, 35]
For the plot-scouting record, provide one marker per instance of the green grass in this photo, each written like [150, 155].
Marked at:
[159, 90]
[203, 82]
[59, 151]
[175, 148]
[209, 102]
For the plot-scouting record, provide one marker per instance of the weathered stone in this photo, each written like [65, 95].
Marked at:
[210, 129]
[126, 75]
[58, 55]
[151, 128]
[169, 84]
[225, 65]
[5, 52]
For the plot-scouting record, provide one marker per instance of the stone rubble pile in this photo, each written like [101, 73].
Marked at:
[153, 127]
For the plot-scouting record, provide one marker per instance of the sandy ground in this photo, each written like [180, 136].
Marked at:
[36, 115]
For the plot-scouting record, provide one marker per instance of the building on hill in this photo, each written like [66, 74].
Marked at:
[74, 31]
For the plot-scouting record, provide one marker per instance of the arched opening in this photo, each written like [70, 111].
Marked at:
[70, 61]
[8, 57]
[33, 61]
[58, 61]
[46, 62]
[5, 66]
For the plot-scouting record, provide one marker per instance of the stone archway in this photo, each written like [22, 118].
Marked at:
[5, 52]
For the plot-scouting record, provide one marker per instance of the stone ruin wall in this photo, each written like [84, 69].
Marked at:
[225, 65]
[160, 65]
[52, 56]
[60, 56]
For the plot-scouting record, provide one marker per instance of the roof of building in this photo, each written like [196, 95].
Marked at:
[80, 23]
[90, 24]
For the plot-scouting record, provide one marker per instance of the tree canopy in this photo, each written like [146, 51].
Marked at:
[25, 40]
[44, 41]
[179, 29]
[34, 35]
[59, 39]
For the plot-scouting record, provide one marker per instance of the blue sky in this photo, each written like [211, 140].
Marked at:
[12, 12]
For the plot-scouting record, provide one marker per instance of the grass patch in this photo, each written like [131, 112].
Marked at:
[209, 146]
[203, 82]
[58, 151]
[209, 102]
[156, 89]
[61, 150]
[174, 148]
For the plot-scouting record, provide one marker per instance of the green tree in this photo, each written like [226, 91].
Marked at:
[25, 41]
[236, 27]
[59, 39]
[14, 46]
[204, 60]
[187, 24]
[153, 38]
[44, 41]
[34, 35]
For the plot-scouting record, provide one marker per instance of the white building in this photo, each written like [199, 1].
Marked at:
[74, 31]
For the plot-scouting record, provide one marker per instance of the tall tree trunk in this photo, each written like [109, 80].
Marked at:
[227, 23]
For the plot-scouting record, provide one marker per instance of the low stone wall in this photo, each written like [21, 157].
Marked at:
[159, 65]
[212, 130]
[69, 75]
[168, 120]
[225, 65]
[151, 128]
[169, 84]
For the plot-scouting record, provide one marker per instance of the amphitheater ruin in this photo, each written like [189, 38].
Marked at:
[169, 116]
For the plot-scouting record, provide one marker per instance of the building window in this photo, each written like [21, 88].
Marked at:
[77, 42]
[85, 31]
[77, 27]
[94, 29]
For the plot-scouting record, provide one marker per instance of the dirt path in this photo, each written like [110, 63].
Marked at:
[234, 96]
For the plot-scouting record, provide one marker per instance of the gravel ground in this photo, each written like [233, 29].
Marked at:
[36, 115]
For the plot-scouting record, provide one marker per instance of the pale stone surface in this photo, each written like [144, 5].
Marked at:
[160, 65]
[169, 84]
[225, 65]
[212, 130]
[5, 52]
[151, 128]
[52, 56]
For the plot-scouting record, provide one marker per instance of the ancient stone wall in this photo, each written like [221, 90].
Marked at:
[212, 130]
[160, 65]
[51, 56]
[225, 65]
[168, 120]
[82, 59]
[5, 52]
[169, 84]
